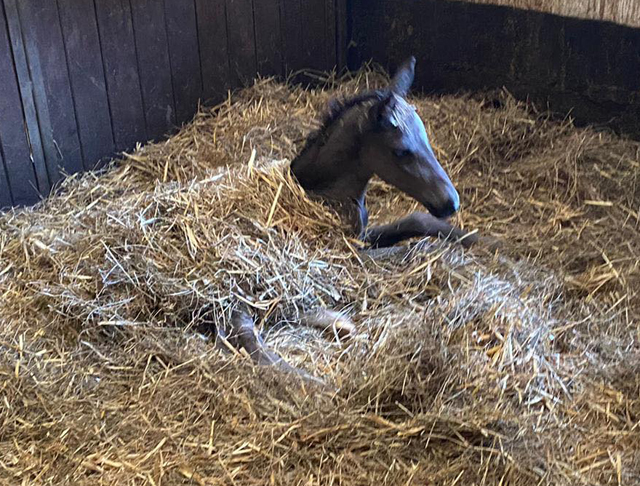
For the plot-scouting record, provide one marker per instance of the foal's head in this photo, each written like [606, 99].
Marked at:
[396, 148]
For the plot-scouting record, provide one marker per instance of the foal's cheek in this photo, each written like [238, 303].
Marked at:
[416, 169]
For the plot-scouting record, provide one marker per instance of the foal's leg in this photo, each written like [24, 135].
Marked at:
[245, 335]
[416, 225]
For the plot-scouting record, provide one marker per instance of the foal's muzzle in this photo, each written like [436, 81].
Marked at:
[447, 207]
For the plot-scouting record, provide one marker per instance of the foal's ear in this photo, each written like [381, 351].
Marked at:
[382, 113]
[403, 79]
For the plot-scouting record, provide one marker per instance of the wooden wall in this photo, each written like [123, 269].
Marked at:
[81, 80]
[619, 11]
[588, 68]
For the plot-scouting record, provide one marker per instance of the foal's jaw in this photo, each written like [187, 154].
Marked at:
[441, 204]
[440, 196]
[446, 210]
[433, 188]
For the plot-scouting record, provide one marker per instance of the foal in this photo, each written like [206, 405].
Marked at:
[375, 133]
[380, 133]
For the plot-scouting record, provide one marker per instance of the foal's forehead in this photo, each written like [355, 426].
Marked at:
[408, 120]
[405, 115]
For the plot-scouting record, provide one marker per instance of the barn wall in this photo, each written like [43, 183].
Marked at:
[588, 68]
[81, 80]
[619, 11]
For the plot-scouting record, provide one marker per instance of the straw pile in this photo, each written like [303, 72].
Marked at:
[468, 367]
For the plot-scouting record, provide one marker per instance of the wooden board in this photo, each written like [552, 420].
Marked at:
[342, 21]
[292, 35]
[184, 52]
[51, 87]
[242, 41]
[6, 71]
[314, 43]
[21, 67]
[6, 201]
[214, 55]
[268, 37]
[155, 66]
[121, 68]
[88, 84]
[18, 184]
[330, 22]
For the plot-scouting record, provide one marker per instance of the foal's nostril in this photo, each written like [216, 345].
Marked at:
[456, 203]
[449, 208]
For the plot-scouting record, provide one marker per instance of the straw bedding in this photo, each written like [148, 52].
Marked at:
[468, 367]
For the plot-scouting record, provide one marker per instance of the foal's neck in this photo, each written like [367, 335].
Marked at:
[335, 183]
[336, 177]
[330, 167]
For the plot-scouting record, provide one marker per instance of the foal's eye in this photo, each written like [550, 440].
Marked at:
[402, 153]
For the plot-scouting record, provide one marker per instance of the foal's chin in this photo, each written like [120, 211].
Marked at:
[439, 213]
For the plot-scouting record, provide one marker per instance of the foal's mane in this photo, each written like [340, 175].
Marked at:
[337, 109]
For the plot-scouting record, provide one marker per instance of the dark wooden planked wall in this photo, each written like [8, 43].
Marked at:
[81, 80]
[588, 68]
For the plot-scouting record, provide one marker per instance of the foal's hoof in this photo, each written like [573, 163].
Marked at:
[487, 242]
[468, 240]
[491, 243]
[331, 322]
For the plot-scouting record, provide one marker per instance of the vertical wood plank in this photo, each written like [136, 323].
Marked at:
[313, 36]
[242, 41]
[52, 91]
[6, 201]
[18, 184]
[268, 37]
[154, 66]
[86, 73]
[291, 27]
[25, 86]
[330, 34]
[182, 32]
[214, 55]
[121, 68]
[343, 19]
